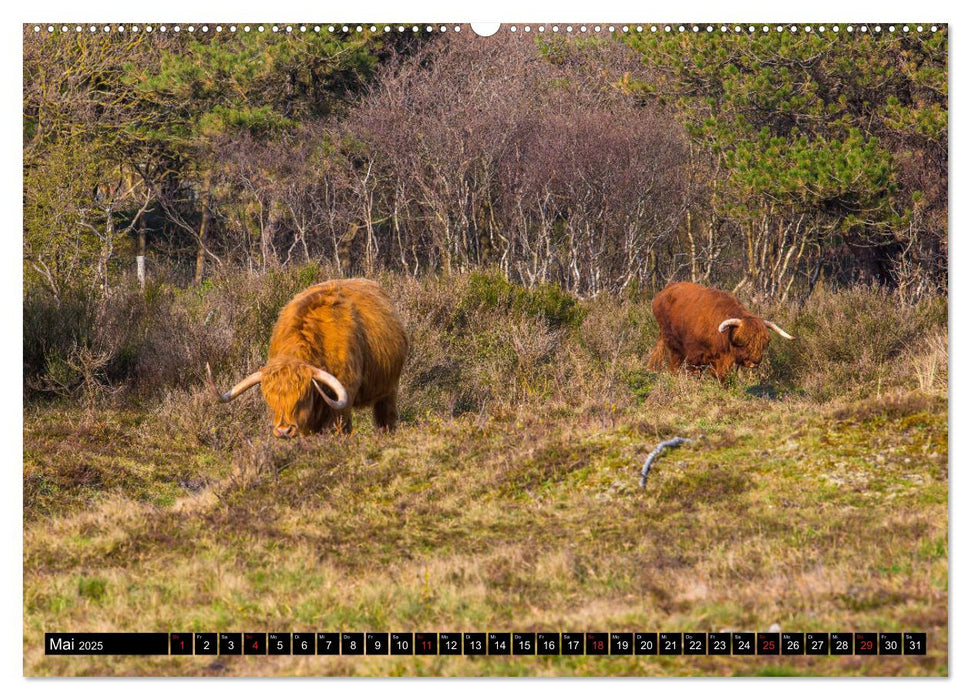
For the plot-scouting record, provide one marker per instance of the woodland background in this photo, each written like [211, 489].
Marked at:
[762, 163]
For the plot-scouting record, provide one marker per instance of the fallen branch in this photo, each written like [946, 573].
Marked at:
[673, 442]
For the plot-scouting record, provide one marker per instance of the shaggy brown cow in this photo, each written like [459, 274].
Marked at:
[707, 328]
[341, 336]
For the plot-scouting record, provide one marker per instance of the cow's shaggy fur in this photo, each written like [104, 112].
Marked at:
[349, 329]
[689, 316]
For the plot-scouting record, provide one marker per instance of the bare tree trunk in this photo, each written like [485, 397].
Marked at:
[750, 257]
[204, 224]
[107, 248]
[140, 254]
[652, 257]
[270, 233]
[691, 246]
[814, 277]
[710, 257]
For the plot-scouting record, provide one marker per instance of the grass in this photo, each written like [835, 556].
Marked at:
[813, 517]
[506, 501]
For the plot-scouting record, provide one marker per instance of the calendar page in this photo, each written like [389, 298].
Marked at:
[448, 349]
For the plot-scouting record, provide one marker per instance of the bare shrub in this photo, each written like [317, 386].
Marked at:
[254, 461]
[494, 153]
[929, 360]
[534, 343]
[478, 343]
[81, 372]
[193, 415]
[606, 334]
[432, 379]
[852, 341]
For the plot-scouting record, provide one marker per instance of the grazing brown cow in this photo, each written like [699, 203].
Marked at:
[336, 346]
[707, 328]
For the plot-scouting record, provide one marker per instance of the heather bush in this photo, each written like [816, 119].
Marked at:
[479, 343]
[854, 341]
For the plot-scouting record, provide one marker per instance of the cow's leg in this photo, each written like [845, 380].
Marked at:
[386, 413]
[675, 360]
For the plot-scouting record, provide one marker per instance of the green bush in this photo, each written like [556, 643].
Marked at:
[550, 303]
[52, 329]
[491, 290]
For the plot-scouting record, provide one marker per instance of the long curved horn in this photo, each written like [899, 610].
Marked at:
[769, 324]
[247, 383]
[335, 385]
[729, 323]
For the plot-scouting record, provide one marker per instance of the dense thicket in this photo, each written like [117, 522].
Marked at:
[823, 153]
[764, 163]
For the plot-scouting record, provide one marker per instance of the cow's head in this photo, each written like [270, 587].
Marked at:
[749, 337]
[289, 386]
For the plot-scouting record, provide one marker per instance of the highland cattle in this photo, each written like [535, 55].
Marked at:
[336, 346]
[704, 328]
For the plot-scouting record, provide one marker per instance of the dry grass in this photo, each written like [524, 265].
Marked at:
[818, 518]
[507, 500]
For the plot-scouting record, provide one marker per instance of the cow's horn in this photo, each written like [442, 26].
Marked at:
[247, 383]
[778, 330]
[335, 385]
[729, 323]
